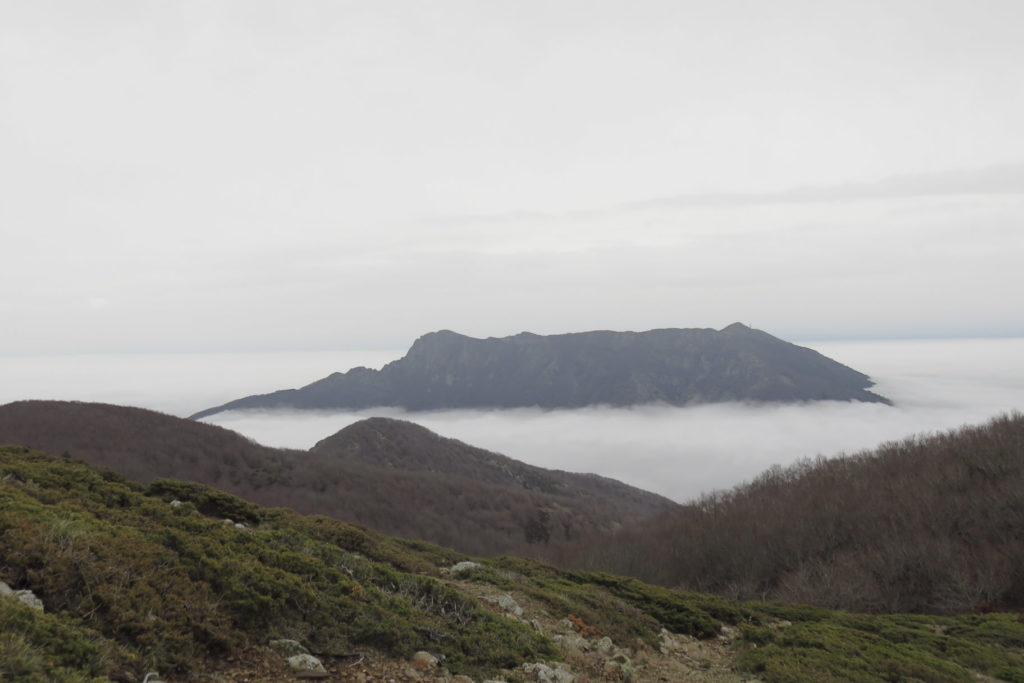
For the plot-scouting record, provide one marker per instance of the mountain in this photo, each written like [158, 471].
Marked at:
[406, 446]
[108, 580]
[673, 366]
[390, 475]
[926, 524]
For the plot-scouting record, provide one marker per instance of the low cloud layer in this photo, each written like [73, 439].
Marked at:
[683, 452]
[678, 452]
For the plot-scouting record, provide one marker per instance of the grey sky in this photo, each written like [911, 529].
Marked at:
[260, 175]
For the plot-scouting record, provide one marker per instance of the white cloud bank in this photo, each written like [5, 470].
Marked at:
[678, 452]
[682, 452]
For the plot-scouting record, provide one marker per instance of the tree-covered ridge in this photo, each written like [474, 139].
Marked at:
[927, 524]
[672, 366]
[390, 475]
[133, 581]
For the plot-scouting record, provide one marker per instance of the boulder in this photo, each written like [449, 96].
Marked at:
[542, 673]
[306, 666]
[666, 642]
[572, 641]
[621, 666]
[508, 603]
[29, 598]
[423, 661]
[24, 596]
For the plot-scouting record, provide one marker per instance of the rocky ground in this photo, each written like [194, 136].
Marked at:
[587, 656]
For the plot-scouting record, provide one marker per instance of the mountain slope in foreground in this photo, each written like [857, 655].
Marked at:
[390, 475]
[136, 578]
[673, 366]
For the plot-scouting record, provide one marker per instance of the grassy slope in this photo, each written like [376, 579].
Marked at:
[132, 584]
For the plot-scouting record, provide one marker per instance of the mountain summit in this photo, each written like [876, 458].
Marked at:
[674, 366]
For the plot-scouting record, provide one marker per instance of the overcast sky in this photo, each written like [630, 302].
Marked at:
[258, 175]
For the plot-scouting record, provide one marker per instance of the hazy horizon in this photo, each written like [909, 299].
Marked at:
[678, 452]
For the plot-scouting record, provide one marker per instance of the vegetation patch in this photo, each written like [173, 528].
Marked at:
[132, 583]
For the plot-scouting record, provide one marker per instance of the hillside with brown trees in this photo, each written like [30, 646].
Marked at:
[928, 524]
[389, 475]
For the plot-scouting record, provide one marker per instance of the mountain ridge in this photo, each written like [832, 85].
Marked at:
[459, 495]
[448, 370]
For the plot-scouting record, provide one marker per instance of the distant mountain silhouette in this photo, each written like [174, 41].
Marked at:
[390, 475]
[673, 366]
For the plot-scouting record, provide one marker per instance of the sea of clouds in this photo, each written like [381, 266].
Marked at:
[677, 452]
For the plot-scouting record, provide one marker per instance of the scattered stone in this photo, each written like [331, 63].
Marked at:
[462, 679]
[464, 566]
[240, 526]
[621, 665]
[508, 603]
[26, 597]
[287, 648]
[29, 598]
[542, 673]
[307, 666]
[572, 641]
[175, 503]
[423, 660]
[537, 626]
[667, 643]
[728, 633]
[605, 646]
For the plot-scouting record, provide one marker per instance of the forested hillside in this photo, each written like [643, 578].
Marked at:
[928, 524]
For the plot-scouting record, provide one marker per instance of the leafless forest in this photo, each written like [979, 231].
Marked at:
[927, 524]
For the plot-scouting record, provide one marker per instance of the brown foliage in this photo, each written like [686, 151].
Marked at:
[927, 524]
[584, 629]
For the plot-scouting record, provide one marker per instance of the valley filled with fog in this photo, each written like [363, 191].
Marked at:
[677, 452]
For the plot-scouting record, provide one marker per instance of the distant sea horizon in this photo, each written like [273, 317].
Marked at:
[935, 384]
